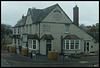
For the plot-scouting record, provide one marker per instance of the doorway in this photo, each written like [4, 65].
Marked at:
[86, 46]
[48, 46]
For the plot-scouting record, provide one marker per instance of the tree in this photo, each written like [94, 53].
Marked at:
[83, 27]
[6, 30]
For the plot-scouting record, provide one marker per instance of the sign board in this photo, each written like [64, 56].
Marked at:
[25, 38]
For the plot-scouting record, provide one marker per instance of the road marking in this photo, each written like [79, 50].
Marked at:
[83, 61]
[6, 62]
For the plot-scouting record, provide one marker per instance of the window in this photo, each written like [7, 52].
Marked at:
[14, 31]
[14, 41]
[35, 44]
[76, 44]
[66, 28]
[18, 30]
[66, 44]
[71, 44]
[36, 29]
[18, 41]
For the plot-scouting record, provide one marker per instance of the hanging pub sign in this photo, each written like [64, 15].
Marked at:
[24, 37]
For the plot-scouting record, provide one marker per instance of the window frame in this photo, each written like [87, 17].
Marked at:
[36, 44]
[70, 44]
[14, 30]
[66, 27]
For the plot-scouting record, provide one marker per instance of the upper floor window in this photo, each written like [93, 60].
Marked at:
[66, 28]
[14, 31]
[36, 29]
[18, 30]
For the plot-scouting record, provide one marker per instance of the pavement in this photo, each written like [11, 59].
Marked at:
[17, 60]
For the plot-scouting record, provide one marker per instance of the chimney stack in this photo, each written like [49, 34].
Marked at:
[76, 15]
[22, 15]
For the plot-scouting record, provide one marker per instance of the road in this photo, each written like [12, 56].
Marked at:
[14, 60]
[4, 63]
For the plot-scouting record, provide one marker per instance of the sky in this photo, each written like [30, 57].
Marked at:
[12, 11]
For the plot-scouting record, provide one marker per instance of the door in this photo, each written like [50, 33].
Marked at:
[48, 46]
[86, 46]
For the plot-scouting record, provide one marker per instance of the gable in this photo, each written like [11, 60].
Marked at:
[57, 15]
[28, 20]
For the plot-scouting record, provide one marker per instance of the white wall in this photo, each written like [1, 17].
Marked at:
[51, 17]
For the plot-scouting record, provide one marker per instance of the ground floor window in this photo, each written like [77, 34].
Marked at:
[35, 44]
[71, 44]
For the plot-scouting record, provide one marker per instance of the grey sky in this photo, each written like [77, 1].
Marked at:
[11, 11]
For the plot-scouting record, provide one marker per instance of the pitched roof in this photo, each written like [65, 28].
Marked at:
[37, 15]
[21, 22]
[33, 36]
[47, 36]
[44, 13]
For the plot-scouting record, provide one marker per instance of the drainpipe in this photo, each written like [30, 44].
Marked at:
[61, 44]
[27, 43]
[15, 44]
[39, 37]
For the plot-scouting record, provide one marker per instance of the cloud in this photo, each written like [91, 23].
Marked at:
[11, 11]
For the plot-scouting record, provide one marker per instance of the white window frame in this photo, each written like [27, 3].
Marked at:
[36, 28]
[18, 30]
[37, 44]
[14, 30]
[14, 41]
[70, 45]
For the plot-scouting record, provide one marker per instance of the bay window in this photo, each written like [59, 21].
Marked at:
[71, 44]
[76, 44]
